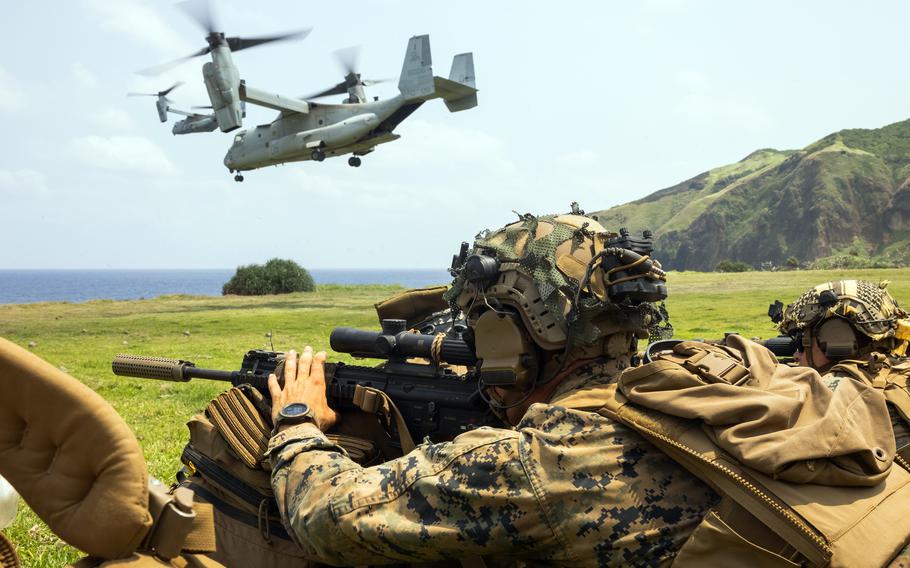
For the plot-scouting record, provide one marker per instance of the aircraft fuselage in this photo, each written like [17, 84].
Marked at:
[332, 129]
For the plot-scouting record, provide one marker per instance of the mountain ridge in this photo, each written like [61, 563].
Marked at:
[841, 201]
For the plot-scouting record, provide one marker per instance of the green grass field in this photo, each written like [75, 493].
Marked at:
[216, 332]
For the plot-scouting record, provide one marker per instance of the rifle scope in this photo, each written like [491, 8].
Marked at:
[782, 345]
[394, 342]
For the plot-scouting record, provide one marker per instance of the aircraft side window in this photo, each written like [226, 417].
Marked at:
[238, 138]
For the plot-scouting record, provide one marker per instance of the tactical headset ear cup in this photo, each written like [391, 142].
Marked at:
[508, 357]
[837, 338]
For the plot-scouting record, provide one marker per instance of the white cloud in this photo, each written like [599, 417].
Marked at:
[580, 158]
[83, 76]
[139, 20]
[342, 186]
[22, 182]
[113, 119]
[663, 6]
[12, 92]
[122, 153]
[701, 102]
[445, 145]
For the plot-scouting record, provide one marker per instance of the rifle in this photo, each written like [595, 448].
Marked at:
[783, 347]
[434, 400]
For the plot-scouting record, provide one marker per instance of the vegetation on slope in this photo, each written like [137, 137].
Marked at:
[812, 204]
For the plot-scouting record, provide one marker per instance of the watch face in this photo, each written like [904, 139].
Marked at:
[295, 409]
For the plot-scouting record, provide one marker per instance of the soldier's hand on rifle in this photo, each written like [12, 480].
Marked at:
[304, 382]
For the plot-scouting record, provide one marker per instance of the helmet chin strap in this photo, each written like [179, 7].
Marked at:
[808, 346]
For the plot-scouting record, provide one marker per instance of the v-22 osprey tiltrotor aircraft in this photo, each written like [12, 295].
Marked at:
[194, 121]
[356, 126]
[307, 130]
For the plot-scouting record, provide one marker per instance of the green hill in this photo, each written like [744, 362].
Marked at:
[840, 202]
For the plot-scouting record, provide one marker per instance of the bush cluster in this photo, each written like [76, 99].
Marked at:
[276, 276]
[732, 266]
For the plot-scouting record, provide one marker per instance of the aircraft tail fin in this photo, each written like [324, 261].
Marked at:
[463, 69]
[459, 91]
[416, 79]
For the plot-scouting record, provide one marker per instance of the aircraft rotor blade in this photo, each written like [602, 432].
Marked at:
[348, 57]
[169, 89]
[240, 43]
[203, 107]
[163, 93]
[339, 89]
[201, 12]
[371, 82]
[159, 69]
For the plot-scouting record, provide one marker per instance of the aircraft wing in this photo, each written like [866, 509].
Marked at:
[184, 113]
[272, 101]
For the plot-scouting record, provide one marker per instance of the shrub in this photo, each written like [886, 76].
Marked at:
[792, 263]
[732, 266]
[276, 276]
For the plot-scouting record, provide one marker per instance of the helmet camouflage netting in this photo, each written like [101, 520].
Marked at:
[867, 306]
[543, 260]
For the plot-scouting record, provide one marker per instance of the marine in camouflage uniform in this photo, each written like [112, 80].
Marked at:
[564, 487]
[855, 330]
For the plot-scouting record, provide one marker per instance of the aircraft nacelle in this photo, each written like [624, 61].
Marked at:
[193, 124]
[222, 81]
[162, 105]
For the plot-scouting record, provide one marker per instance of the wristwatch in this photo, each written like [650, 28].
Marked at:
[294, 413]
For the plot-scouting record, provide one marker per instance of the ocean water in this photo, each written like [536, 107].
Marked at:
[25, 286]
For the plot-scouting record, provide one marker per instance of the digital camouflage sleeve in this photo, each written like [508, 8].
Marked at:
[566, 487]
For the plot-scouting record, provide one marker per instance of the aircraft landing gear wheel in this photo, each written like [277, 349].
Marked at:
[354, 162]
[238, 177]
[317, 155]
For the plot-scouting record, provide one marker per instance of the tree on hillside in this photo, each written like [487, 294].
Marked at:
[276, 276]
[792, 263]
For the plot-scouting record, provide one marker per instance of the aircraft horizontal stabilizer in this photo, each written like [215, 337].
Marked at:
[458, 91]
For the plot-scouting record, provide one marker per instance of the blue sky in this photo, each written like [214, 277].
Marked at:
[599, 102]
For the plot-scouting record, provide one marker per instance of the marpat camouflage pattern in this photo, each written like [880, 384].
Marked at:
[566, 487]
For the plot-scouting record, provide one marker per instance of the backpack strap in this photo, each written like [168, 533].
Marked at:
[683, 441]
[890, 376]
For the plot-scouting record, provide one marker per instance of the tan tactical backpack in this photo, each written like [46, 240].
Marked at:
[807, 476]
[80, 468]
[225, 467]
[889, 375]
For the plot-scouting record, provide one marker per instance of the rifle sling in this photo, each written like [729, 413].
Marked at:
[375, 401]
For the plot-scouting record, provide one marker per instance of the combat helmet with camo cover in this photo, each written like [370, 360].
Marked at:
[574, 285]
[835, 309]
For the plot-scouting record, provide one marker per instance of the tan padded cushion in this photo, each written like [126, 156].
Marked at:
[71, 457]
